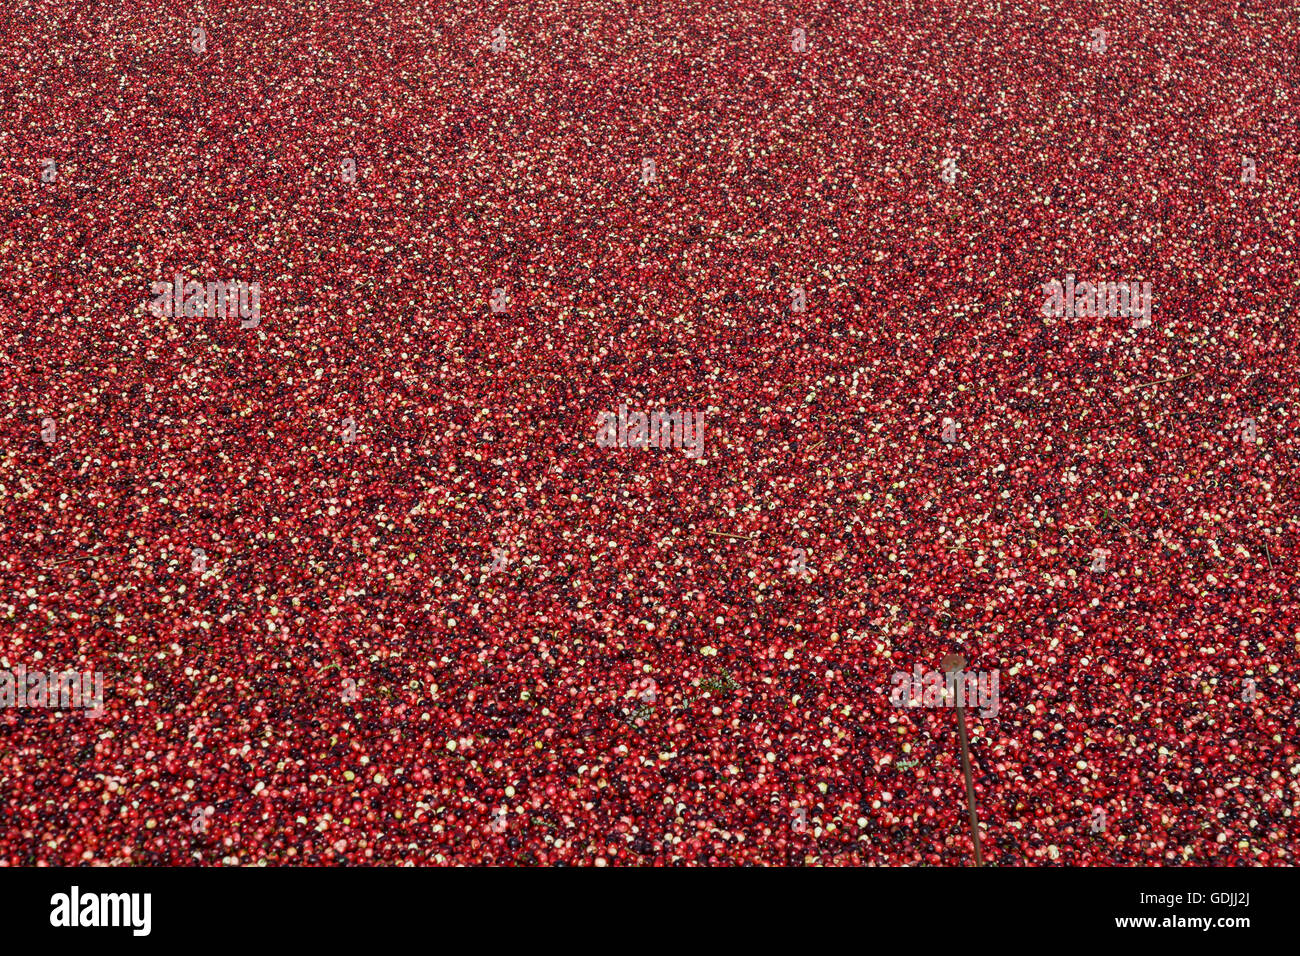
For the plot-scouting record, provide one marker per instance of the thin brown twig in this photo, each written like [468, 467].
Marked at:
[738, 537]
[1166, 381]
[1108, 514]
[80, 557]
